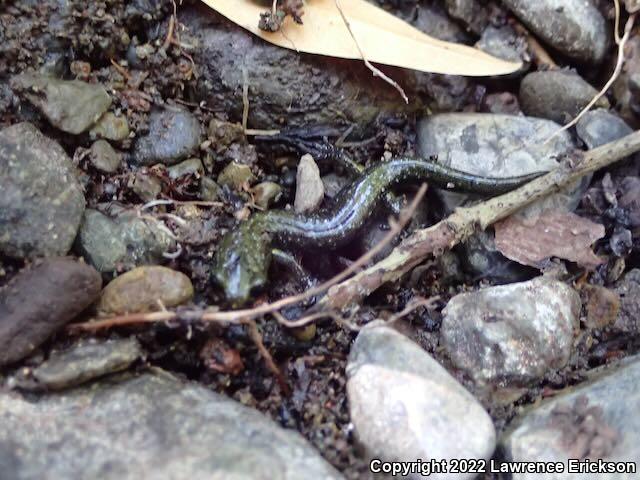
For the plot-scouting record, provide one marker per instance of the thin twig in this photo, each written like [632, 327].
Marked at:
[245, 98]
[376, 71]
[256, 336]
[461, 224]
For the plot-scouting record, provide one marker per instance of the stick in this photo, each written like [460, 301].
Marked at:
[464, 222]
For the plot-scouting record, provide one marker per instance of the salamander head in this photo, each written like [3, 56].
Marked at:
[241, 263]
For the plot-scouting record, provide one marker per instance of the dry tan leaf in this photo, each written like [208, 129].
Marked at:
[382, 37]
[559, 234]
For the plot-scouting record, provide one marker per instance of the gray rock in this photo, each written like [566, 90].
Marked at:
[432, 19]
[41, 299]
[235, 175]
[510, 335]
[111, 127]
[287, 88]
[187, 431]
[498, 146]
[598, 127]
[598, 419]
[41, 200]
[70, 105]
[174, 134]
[123, 242]
[309, 186]
[628, 289]
[146, 185]
[209, 189]
[193, 166]
[573, 27]
[84, 361]
[557, 95]
[333, 183]
[503, 42]
[471, 12]
[405, 406]
[266, 193]
[492, 145]
[104, 157]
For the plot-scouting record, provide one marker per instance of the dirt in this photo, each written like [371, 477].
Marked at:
[85, 38]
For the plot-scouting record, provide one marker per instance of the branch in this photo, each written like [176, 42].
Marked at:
[464, 221]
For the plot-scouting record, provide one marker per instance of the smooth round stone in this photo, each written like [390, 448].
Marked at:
[405, 406]
[193, 166]
[266, 193]
[104, 157]
[40, 300]
[575, 28]
[173, 135]
[41, 199]
[145, 289]
[70, 105]
[510, 335]
[146, 185]
[558, 95]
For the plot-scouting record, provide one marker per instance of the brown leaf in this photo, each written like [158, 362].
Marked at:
[383, 37]
[559, 234]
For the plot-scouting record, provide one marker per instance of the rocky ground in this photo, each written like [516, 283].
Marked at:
[123, 163]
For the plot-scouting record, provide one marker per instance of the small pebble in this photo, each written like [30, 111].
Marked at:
[309, 186]
[104, 157]
[266, 193]
[111, 127]
[235, 175]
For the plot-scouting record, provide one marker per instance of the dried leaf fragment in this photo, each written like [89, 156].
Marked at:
[382, 37]
[559, 234]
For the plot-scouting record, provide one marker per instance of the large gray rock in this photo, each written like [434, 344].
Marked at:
[71, 105]
[121, 243]
[174, 134]
[40, 300]
[598, 419]
[509, 335]
[405, 406]
[287, 88]
[573, 27]
[557, 95]
[153, 427]
[41, 200]
[492, 145]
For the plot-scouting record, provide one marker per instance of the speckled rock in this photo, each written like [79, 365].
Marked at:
[145, 289]
[500, 146]
[121, 243]
[160, 413]
[83, 362]
[41, 200]
[111, 127]
[509, 335]
[174, 134]
[104, 157]
[40, 300]
[70, 105]
[266, 193]
[209, 189]
[309, 186]
[557, 95]
[503, 42]
[628, 289]
[235, 175]
[405, 406]
[573, 27]
[472, 12]
[146, 184]
[193, 166]
[598, 419]
[598, 127]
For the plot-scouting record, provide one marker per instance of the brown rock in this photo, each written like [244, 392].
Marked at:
[141, 290]
[40, 300]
